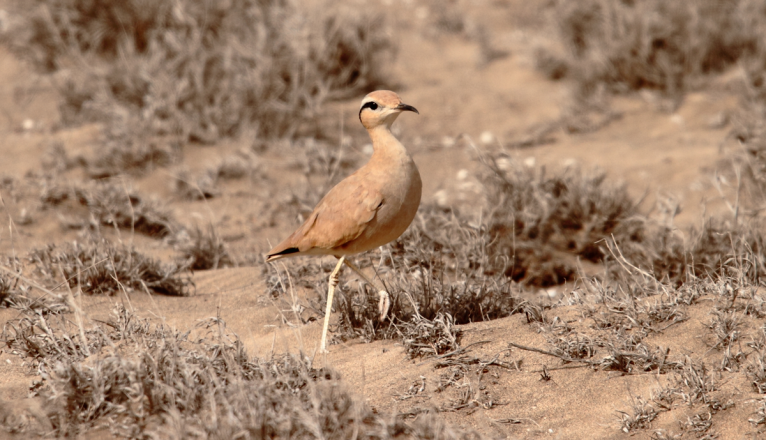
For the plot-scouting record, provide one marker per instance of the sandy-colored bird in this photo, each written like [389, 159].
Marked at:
[367, 209]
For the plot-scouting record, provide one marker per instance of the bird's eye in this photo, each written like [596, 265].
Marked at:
[372, 105]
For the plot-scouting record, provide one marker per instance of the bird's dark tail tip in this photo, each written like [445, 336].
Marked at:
[280, 254]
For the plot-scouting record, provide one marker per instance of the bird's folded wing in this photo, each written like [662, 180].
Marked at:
[340, 217]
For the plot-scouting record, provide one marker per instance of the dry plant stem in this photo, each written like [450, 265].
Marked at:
[334, 278]
[29, 281]
[550, 353]
[77, 313]
[385, 300]
[537, 350]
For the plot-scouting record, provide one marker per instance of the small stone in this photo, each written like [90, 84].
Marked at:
[569, 162]
[504, 163]
[719, 120]
[441, 198]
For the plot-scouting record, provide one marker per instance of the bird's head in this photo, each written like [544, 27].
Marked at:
[381, 107]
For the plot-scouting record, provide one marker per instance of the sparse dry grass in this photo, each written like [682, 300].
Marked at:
[541, 222]
[128, 146]
[114, 205]
[104, 268]
[202, 70]
[641, 415]
[538, 218]
[653, 44]
[743, 171]
[203, 250]
[424, 337]
[615, 46]
[155, 380]
[188, 187]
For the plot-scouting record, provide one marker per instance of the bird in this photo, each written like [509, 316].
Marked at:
[369, 208]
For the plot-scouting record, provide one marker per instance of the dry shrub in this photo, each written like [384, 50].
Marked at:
[203, 250]
[537, 219]
[205, 184]
[204, 69]
[234, 166]
[8, 289]
[756, 366]
[668, 46]
[574, 346]
[618, 46]
[745, 165]
[696, 382]
[759, 418]
[443, 267]
[540, 223]
[128, 146]
[423, 337]
[200, 383]
[19, 295]
[34, 337]
[718, 250]
[104, 268]
[113, 205]
[32, 304]
[642, 415]
[724, 250]
[188, 187]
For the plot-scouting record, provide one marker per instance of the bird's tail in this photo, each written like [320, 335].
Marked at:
[281, 254]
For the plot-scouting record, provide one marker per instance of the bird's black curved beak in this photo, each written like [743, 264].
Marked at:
[405, 107]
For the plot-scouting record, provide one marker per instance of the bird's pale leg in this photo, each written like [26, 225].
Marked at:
[333, 283]
[385, 300]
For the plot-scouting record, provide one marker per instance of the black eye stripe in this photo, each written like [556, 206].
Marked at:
[372, 105]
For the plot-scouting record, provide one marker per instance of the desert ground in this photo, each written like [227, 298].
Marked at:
[605, 347]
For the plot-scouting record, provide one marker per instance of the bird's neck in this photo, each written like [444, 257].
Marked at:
[385, 144]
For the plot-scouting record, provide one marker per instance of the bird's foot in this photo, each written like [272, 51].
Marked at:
[384, 303]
